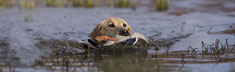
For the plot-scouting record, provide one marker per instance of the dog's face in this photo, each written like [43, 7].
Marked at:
[112, 27]
[115, 26]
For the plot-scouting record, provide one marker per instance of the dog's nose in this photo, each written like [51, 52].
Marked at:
[124, 32]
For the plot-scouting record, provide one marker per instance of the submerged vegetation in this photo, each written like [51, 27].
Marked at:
[8, 58]
[129, 58]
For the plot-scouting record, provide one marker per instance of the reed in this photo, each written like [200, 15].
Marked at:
[162, 5]
[50, 3]
[1, 2]
[121, 3]
[62, 3]
[77, 3]
[133, 6]
[89, 3]
[27, 4]
[6, 3]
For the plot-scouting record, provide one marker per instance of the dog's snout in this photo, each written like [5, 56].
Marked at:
[124, 32]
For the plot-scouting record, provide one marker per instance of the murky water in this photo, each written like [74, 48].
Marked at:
[29, 37]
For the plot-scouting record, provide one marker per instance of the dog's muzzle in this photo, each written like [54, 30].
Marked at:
[124, 32]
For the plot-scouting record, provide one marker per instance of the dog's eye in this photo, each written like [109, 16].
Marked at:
[112, 25]
[124, 25]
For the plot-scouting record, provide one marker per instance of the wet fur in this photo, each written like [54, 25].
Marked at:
[102, 28]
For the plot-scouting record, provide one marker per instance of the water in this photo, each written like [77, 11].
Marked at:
[21, 30]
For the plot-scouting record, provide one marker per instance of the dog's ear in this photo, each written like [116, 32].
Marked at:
[129, 28]
[96, 31]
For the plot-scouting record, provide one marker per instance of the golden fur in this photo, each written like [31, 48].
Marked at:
[110, 27]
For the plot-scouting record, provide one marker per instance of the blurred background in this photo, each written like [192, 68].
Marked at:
[31, 30]
[152, 5]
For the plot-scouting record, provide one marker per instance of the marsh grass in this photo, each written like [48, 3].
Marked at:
[162, 5]
[63, 3]
[133, 5]
[27, 4]
[121, 3]
[115, 59]
[74, 3]
[30, 4]
[77, 3]
[4, 44]
[50, 3]
[6, 3]
[57, 3]
[64, 55]
[89, 3]
[7, 56]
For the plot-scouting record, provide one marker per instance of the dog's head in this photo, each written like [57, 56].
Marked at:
[112, 27]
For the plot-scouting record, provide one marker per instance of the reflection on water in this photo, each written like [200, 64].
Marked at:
[65, 57]
[114, 59]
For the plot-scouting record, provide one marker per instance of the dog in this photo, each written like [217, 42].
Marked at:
[115, 30]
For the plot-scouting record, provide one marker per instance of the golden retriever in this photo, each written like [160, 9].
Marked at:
[111, 27]
[114, 30]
